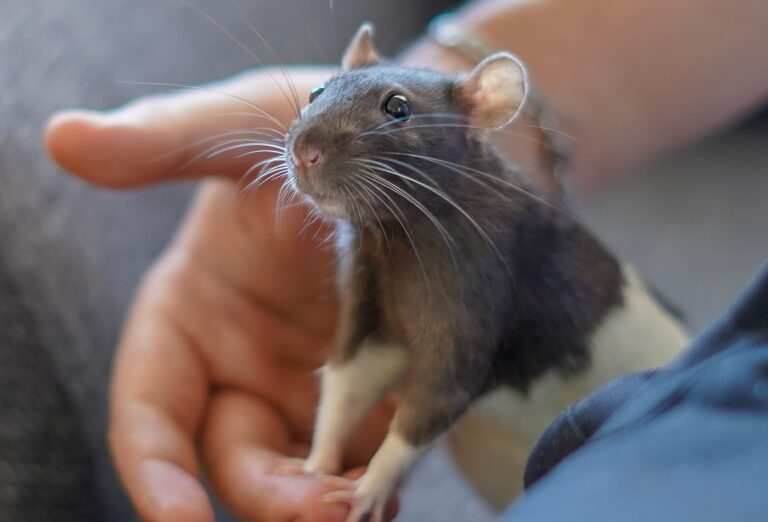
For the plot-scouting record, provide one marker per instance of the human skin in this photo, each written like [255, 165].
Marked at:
[214, 367]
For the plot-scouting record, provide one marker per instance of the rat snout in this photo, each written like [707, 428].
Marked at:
[306, 155]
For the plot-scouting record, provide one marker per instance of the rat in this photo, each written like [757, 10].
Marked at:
[459, 285]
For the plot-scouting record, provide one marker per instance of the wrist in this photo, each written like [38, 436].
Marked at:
[577, 78]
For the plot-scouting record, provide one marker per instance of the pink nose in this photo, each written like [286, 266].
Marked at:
[307, 156]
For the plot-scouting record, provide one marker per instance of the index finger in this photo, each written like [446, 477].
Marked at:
[170, 136]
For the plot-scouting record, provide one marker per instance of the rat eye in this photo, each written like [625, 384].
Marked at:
[398, 107]
[317, 91]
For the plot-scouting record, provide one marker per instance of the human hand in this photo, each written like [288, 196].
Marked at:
[215, 367]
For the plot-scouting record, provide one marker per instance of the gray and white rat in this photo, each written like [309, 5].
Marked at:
[473, 296]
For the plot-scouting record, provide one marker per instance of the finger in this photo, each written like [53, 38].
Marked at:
[158, 397]
[166, 136]
[244, 440]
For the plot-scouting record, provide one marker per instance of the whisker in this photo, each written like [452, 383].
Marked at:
[214, 150]
[413, 117]
[381, 191]
[416, 170]
[197, 143]
[481, 231]
[286, 76]
[242, 46]
[359, 188]
[281, 154]
[554, 131]
[252, 105]
[264, 178]
[390, 132]
[444, 234]
[456, 167]
[259, 179]
[244, 144]
[384, 166]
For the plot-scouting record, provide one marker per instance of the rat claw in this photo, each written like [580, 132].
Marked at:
[364, 508]
[362, 511]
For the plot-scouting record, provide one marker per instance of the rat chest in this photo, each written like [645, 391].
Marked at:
[411, 298]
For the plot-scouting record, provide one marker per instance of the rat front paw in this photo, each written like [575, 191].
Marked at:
[293, 467]
[361, 501]
[322, 464]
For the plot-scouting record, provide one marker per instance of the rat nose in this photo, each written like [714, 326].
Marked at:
[307, 156]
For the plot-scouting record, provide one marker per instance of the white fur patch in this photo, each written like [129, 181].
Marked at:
[491, 442]
[348, 391]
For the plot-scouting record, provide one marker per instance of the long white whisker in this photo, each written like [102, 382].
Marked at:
[196, 143]
[444, 234]
[243, 47]
[286, 76]
[456, 167]
[265, 147]
[360, 188]
[369, 182]
[416, 170]
[252, 105]
[486, 237]
[447, 115]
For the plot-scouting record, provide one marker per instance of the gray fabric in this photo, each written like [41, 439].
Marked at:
[46, 470]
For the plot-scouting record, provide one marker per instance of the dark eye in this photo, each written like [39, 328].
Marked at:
[398, 107]
[317, 91]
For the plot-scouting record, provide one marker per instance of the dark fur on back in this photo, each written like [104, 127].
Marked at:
[496, 286]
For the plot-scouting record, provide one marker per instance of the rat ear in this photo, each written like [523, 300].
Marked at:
[494, 90]
[360, 51]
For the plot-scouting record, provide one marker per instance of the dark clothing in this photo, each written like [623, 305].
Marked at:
[688, 442]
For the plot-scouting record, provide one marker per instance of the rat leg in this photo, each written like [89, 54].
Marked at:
[438, 392]
[349, 389]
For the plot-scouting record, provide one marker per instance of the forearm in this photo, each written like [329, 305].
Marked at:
[628, 80]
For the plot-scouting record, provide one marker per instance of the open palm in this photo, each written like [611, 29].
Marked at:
[215, 368]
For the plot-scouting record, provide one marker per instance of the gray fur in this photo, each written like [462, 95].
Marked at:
[499, 302]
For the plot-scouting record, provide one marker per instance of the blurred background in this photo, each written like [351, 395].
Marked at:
[693, 223]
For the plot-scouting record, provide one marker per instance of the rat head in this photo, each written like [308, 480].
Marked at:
[376, 136]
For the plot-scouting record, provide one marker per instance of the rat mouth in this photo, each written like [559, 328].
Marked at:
[320, 198]
[328, 205]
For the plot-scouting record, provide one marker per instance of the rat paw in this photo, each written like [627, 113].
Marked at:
[365, 507]
[297, 467]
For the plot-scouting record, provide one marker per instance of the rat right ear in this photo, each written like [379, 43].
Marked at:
[494, 90]
[360, 51]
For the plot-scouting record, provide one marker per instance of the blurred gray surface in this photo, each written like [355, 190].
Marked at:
[694, 223]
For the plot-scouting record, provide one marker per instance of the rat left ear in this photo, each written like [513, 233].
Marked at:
[494, 90]
[360, 51]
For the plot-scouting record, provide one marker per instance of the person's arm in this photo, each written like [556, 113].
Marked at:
[628, 80]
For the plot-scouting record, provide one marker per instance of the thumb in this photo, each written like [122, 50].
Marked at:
[175, 136]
